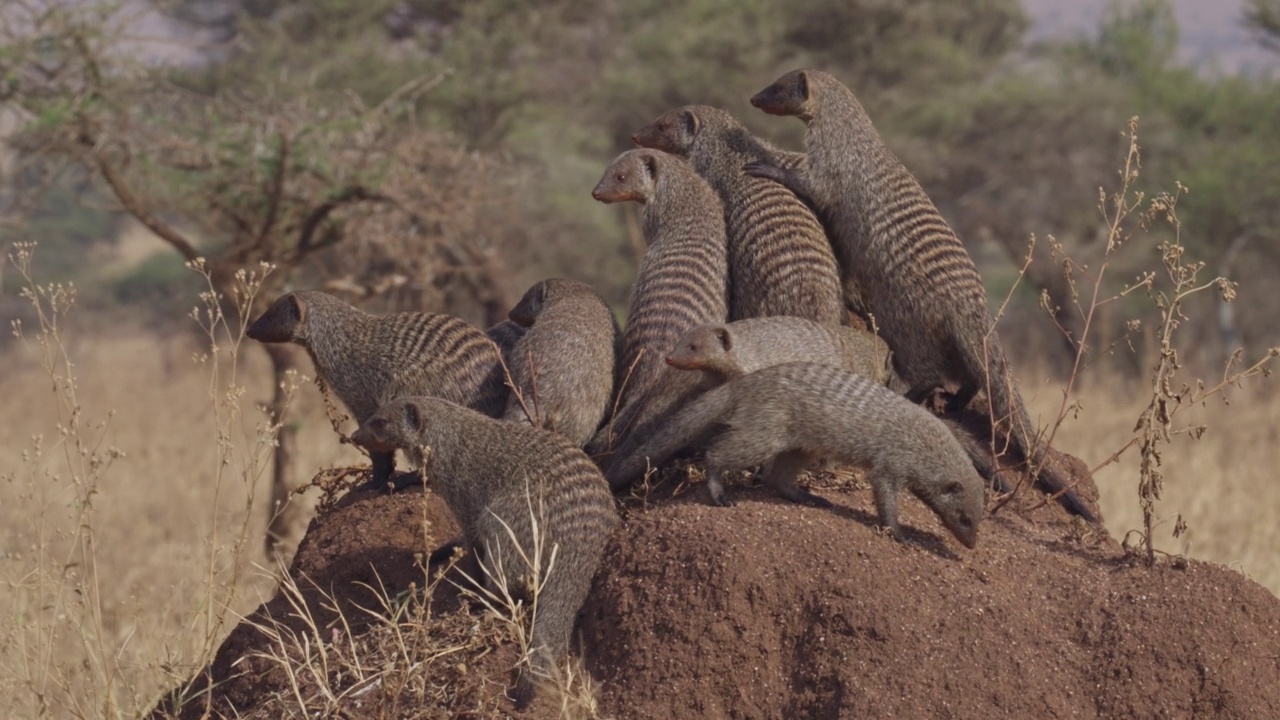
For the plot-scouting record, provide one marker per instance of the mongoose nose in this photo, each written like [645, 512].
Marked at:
[635, 139]
[756, 100]
[595, 194]
[670, 360]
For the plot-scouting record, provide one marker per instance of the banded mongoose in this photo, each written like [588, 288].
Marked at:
[564, 365]
[789, 414]
[499, 479]
[367, 360]
[780, 261]
[729, 351]
[916, 278]
[682, 282]
[737, 348]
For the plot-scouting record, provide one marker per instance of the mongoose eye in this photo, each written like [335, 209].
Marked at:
[620, 177]
[952, 488]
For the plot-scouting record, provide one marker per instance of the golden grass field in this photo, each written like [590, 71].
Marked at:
[96, 622]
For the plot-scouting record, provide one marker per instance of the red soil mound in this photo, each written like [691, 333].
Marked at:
[768, 609]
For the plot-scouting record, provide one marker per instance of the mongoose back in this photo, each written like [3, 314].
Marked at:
[564, 365]
[744, 346]
[780, 261]
[498, 478]
[789, 414]
[916, 278]
[682, 281]
[368, 359]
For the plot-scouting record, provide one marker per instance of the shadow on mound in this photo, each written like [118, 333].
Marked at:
[768, 609]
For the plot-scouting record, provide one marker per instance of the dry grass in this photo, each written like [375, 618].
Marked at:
[1223, 485]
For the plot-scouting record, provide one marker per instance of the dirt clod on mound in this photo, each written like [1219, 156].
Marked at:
[768, 609]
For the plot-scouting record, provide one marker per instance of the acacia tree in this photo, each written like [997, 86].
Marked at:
[317, 184]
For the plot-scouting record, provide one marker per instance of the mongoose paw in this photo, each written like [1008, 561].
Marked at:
[721, 501]
[765, 170]
[814, 501]
[393, 484]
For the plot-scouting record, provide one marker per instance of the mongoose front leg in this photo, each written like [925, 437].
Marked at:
[790, 179]
[782, 478]
[887, 506]
[383, 467]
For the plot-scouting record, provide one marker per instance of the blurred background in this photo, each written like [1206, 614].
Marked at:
[439, 155]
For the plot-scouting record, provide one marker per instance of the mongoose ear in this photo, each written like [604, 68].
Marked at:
[651, 165]
[725, 338]
[953, 487]
[691, 122]
[803, 84]
[413, 415]
[297, 309]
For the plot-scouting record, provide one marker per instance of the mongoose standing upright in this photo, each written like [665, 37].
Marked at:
[780, 261]
[367, 360]
[682, 282]
[916, 278]
[564, 365]
[502, 481]
[789, 414]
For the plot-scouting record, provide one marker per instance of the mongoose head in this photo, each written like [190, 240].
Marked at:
[631, 176]
[704, 347]
[791, 94]
[285, 321]
[674, 131]
[397, 424]
[958, 503]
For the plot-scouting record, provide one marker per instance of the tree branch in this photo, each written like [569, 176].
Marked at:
[134, 204]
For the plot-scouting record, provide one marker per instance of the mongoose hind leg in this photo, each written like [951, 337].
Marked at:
[781, 476]
[715, 489]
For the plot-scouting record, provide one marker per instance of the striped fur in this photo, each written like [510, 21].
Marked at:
[682, 281]
[786, 415]
[368, 360]
[914, 274]
[780, 261]
[497, 475]
[564, 365]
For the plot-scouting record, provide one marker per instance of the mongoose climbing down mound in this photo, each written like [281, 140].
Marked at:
[496, 478]
[789, 414]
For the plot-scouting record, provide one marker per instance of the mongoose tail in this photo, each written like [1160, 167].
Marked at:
[1009, 412]
[687, 428]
